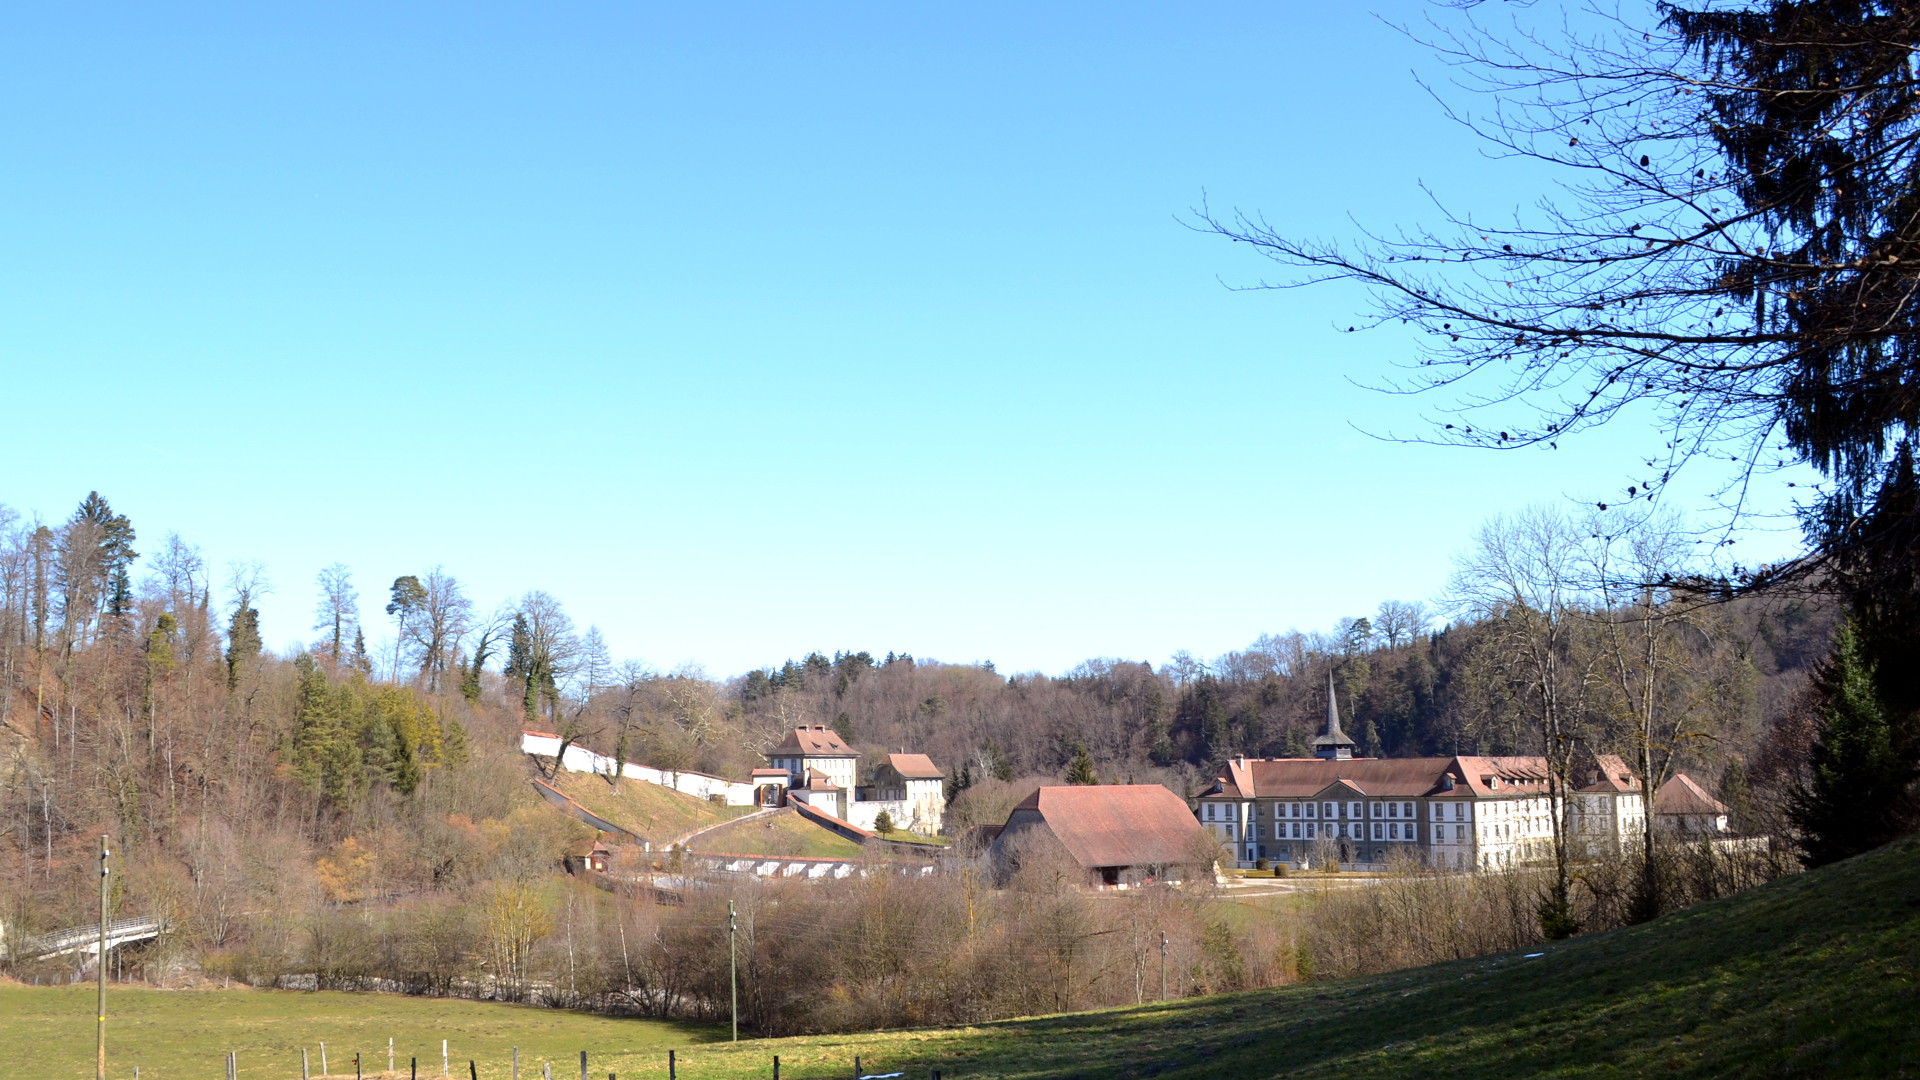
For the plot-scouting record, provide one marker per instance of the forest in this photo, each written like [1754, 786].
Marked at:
[362, 807]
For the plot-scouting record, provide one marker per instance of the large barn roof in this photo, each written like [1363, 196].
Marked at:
[1120, 824]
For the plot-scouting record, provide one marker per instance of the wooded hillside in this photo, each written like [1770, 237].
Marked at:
[137, 699]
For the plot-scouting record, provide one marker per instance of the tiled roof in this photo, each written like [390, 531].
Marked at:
[819, 781]
[1119, 824]
[1609, 773]
[817, 740]
[769, 772]
[915, 767]
[1497, 776]
[1389, 778]
[1304, 778]
[1681, 795]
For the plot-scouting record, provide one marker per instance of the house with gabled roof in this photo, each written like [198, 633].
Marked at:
[1119, 835]
[820, 768]
[1462, 812]
[1683, 808]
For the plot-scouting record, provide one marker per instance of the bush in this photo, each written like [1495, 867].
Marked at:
[884, 823]
[1259, 864]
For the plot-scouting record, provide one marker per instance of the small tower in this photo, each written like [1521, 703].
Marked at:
[1333, 744]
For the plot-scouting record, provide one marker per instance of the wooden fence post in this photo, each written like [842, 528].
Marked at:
[303, 1064]
[776, 1067]
[670, 1070]
[473, 1071]
[856, 1067]
[516, 1063]
[323, 1059]
[583, 1065]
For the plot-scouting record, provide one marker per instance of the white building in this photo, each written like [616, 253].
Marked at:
[820, 766]
[1683, 808]
[1460, 812]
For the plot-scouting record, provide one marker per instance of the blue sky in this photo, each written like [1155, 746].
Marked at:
[744, 330]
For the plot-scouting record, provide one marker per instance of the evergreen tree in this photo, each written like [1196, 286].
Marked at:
[960, 780]
[1080, 770]
[997, 758]
[406, 602]
[243, 643]
[362, 663]
[522, 665]
[1857, 793]
[1738, 797]
[113, 534]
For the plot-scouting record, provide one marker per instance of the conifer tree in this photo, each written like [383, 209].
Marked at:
[243, 643]
[1080, 770]
[1857, 794]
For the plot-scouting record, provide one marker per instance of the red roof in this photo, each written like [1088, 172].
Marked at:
[1305, 778]
[817, 740]
[915, 767]
[1609, 773]
[1681, 795]
[819, 781]
[1119, 824]
[769, 772]
[1390, 778]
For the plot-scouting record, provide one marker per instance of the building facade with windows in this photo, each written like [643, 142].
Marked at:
[1462, 812]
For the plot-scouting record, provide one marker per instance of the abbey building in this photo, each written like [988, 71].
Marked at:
[1457, 812]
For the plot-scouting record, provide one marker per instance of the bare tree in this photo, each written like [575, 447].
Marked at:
[1400, 621]
[338, 611]
[1634, 562]
[1521, 577]
[443, 621]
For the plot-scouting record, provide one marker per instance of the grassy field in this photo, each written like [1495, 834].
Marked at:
[784, 833]
[659, 814]
[1810, 976]
[901, 836]
[185, 1034]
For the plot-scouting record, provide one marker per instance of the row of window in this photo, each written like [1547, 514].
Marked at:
[1389, 811]
[1307, 830]
[1213, 811]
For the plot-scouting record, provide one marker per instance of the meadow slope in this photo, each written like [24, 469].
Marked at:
[1809, 976]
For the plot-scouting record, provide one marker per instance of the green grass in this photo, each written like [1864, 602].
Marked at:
[784, 833]
[659, 814]
[1811, 976]
[902, 836]
[185, 1034]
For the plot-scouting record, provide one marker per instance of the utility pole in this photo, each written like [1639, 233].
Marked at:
[100, 1024]
[733, 966]
[1163, 965]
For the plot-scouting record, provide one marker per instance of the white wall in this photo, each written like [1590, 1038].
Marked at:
[581, 759]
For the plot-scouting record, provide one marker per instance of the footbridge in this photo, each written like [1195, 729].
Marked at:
[85, 940]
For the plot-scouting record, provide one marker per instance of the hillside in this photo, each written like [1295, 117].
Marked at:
[1809, 976]
[784, 833]
[647, 810]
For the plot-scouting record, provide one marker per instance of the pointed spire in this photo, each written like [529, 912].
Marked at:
[1333, 744]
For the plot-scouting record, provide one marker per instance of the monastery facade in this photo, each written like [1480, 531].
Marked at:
[1462, 812]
